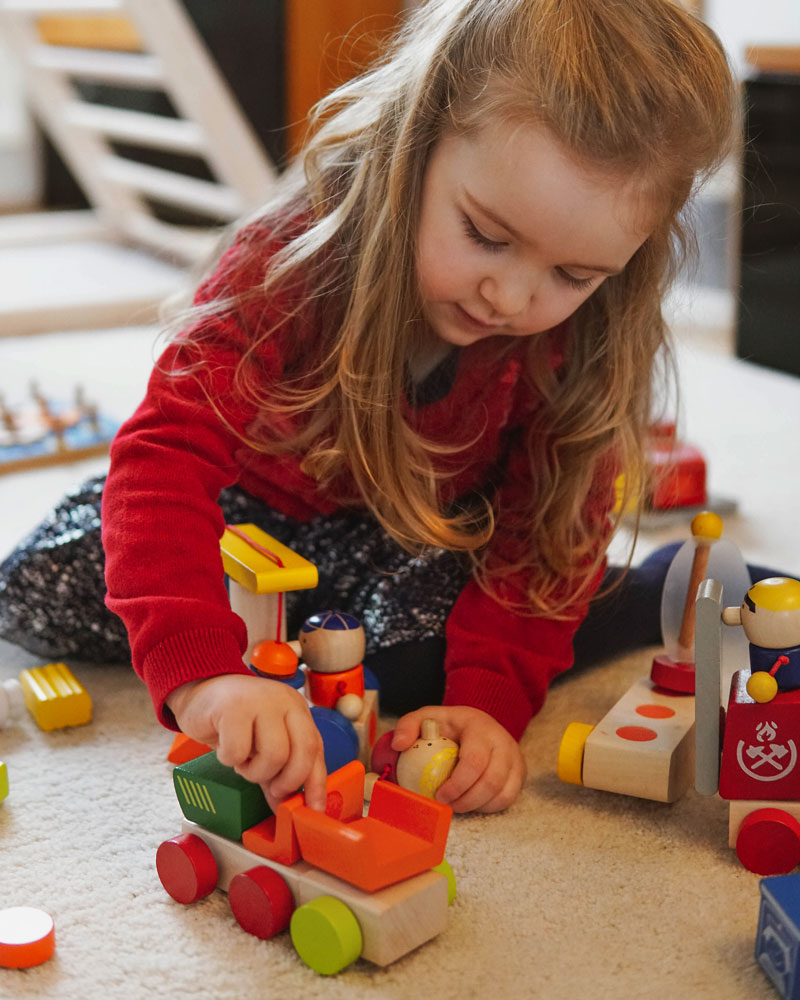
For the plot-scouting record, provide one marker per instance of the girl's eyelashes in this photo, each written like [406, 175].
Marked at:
[474, 234]
[494, 246]
[572, 281]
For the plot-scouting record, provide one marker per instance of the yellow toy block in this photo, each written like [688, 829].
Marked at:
[3, 781]
[54, 697]
[263, 565]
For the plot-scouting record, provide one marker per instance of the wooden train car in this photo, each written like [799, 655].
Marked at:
[345, 884]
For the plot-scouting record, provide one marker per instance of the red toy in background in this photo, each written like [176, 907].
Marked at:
[676, 481]
[677, 471]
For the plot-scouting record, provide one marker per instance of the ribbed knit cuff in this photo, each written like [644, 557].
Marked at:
[492, 693]
[189, 656]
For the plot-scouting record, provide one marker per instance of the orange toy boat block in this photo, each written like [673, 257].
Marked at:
[403, 834]
[275, 837]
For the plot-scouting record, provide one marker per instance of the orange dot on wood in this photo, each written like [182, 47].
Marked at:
[637, 734]
[655, 711]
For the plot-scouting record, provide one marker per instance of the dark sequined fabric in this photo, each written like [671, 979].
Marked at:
[52, 586]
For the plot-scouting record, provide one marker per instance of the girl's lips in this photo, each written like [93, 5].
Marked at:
[475, 324]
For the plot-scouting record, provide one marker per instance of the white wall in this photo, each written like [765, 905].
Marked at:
[740, 23]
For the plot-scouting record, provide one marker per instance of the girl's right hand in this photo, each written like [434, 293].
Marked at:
[263, 729]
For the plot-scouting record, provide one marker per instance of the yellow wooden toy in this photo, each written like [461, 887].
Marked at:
[54, 697]
[260, 570]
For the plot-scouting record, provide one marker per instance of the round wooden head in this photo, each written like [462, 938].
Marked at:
[428, 763]
[332, 641]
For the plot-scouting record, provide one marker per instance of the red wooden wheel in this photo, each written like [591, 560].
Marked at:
[768, 842]
[186, 867]
[261, 901]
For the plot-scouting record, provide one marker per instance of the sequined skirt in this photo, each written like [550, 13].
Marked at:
[52, 585]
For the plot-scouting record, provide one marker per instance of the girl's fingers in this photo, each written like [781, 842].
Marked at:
[468, 772]
[235, 743]
[305, 763]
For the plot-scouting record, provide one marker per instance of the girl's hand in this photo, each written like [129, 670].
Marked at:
[263, 729]
[490, 768]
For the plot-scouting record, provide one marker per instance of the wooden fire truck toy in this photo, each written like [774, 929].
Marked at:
[757, 768]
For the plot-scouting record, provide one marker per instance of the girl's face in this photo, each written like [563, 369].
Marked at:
[514, 234]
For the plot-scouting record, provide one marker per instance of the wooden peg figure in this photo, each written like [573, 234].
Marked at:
[770, 618]
[332, 646]
[428, 763]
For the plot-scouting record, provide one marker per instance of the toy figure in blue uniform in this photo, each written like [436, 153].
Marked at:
[770, 617]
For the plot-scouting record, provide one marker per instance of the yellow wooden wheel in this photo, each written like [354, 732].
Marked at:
[570, 752]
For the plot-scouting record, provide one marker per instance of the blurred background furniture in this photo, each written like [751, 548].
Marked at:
[769, 303]
[161, 124]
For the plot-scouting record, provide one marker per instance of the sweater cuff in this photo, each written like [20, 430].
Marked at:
[189, 656]
[493, 693]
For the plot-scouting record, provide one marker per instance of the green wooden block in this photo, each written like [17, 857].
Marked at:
[217, 798]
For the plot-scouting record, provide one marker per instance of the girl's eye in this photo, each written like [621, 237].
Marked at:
[474, 234]
[573, 282]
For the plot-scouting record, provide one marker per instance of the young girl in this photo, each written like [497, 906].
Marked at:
[421, 366]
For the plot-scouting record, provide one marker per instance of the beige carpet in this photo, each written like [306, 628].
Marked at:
[570, 894]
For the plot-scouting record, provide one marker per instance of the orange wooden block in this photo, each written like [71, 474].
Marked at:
[403, 834]
[184, 748]
[326, 689]
[275, 837]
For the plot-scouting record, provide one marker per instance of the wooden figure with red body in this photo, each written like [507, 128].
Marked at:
[332, 646]
[758, 770]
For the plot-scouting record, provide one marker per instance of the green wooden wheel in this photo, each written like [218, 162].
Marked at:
[444, 869]
[326, 935]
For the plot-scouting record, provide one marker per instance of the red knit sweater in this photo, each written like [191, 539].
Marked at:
[162, 523]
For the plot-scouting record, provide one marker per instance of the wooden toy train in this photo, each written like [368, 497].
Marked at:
[346, 885]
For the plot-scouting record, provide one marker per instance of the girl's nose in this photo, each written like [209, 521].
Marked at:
[508, 295]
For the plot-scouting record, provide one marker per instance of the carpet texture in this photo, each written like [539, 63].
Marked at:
[572, 893]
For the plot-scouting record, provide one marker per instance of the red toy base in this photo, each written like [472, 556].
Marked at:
[671, 675]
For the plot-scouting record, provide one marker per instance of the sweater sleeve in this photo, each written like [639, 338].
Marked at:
[502, 661]
[162, 522]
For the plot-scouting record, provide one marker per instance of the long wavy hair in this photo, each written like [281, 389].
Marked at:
[636, 89]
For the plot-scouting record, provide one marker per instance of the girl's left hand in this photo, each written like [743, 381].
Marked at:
[490, 768]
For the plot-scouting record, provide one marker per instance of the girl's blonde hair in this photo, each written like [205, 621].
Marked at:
[634, 88]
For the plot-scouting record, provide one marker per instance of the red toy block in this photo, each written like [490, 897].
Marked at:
[326, 689]
[403, 834]
[760, 750]
[677, 471]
